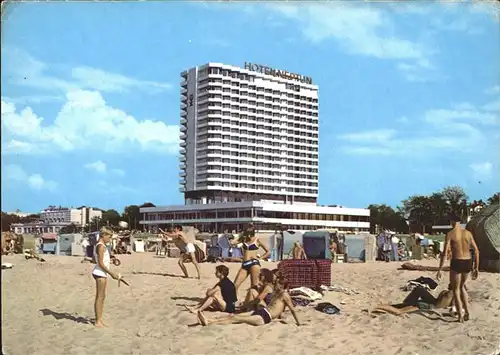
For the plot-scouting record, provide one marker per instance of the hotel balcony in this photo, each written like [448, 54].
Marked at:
[182, 189]
[183, 121]
[183, 143]
[184, 91]
[183, 128]
[182, 158]
[183, 106]
[182, 182]
[182, 166]
[183, 136]
[182, 174]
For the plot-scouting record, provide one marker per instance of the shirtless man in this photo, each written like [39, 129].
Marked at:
[265, 315]
[458, 241]
[187, 249]
[298, 252]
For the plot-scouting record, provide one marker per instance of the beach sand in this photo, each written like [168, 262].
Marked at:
[48, 308]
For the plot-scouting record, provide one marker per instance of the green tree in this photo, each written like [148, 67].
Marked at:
[456, 198]
[110, 218]
[70, 229]
[147, 204]
[385, 217]
[418, 211]
[494, 199]
[132, 215]
[7, 220]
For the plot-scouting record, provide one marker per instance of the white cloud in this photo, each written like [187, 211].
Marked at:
[482, 171]
[34, 99]
[492, 106]
[101, 80]
[22, 69]
[463, 129]
[356, 28]
[493, 90]
[85, 121]
[118, 172]
[98, 166]
[16, 174]
[379, 135]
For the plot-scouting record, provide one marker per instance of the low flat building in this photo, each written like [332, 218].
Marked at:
[37, 227]
[218, 217]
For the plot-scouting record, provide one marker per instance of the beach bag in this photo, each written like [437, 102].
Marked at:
[328, 308]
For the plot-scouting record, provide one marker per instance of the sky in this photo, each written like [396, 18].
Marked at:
[409, 95]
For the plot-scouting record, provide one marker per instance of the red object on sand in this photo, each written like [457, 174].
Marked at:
[306, 273]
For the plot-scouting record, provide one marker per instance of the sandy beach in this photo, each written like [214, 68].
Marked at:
[48, 309]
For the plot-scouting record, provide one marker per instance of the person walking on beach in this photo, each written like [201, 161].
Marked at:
[187, 249]
[458, 241]
[101, 271]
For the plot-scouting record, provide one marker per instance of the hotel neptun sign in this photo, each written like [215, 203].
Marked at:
[279, 73]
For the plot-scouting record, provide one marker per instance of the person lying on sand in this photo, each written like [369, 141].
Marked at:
[260, 295]
[221, 297]
[280, 300]
[419, 299]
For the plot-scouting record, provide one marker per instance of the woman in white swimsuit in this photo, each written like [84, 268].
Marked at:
[101, 271]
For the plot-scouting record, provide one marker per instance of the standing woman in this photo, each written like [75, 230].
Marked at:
[251, 264]
[101, 271]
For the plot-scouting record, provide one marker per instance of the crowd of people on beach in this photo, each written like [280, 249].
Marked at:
[268, 297]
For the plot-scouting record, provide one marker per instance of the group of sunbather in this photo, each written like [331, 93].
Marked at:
[267, 297]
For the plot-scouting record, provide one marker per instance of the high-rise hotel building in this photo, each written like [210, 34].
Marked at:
[248, 134]
[249, 153]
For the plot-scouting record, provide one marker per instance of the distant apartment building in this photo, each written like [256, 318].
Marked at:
[53, 218]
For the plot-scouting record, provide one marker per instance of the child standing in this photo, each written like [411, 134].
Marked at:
[101, 271]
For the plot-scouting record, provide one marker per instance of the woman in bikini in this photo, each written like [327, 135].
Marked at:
[420, 299]
[262, 295]
[264, 315]
[251, 264]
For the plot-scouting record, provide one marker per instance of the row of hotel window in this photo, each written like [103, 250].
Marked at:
[237, 112]
[277, 118]
[218, 82]
[268, 155]
[242, 164]
[284, 149]
[221, 214]
[255, 187]
[258, 171]
[219, 130]
[215, 129]
[239, 107]
[271, 143]
[237, 99]
[258, 188]
[204, 176]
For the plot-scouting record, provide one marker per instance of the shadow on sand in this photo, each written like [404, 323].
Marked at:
[65, 315]
[193, 299]
[156, 274]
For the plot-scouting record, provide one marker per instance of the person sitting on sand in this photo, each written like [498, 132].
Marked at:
[221, 297]
[101, 271]
[280, 300]
[298, 252]
[260, 295]
[419, 299]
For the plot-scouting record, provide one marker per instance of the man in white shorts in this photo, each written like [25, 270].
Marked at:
[187, 250]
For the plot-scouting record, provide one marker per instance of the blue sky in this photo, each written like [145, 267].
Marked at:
[409, 95]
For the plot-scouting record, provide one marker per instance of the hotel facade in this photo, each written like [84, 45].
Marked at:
[249, 153]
